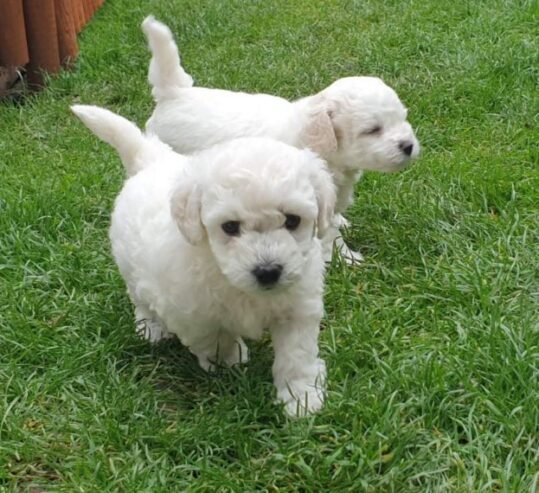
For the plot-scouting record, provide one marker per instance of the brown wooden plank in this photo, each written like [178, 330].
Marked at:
[13, 45]
[41, 34]
[78, 15]
[67, 36]
[87, 11]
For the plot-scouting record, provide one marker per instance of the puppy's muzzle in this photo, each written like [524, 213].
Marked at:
[406, 147]
[267, 275]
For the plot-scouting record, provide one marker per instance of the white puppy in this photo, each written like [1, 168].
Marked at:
[222, 245]
[355, 124]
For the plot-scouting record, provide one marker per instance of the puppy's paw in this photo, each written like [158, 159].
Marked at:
[206, 364]
[303, 397]
[328, 241]
[236, 353]
[351, 257]
[339, 221]
[151, 330]
[333, 242]
[302, 403]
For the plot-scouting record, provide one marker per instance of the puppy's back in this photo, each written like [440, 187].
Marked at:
[203, 117]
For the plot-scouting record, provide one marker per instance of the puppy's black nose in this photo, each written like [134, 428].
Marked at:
[406, 147]
[267, 275]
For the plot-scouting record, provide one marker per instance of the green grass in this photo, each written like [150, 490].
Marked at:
[432, 346]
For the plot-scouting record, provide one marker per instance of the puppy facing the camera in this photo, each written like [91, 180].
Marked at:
[222, 245]
[355, 124]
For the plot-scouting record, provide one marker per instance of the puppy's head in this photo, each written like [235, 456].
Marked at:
[359, 123]
[260, 204]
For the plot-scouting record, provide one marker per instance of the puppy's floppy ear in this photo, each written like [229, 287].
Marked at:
[318, 133]
[185, 207]
[324, 189]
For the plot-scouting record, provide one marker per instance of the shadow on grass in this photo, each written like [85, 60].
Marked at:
[182, 386]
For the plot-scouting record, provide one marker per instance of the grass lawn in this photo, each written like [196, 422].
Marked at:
[432, 345]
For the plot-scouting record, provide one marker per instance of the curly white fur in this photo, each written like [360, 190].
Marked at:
[355, 124]
[187, 276]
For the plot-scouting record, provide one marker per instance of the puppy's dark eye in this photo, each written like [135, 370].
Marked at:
[231, 228]
[374, 130]
[292, 222]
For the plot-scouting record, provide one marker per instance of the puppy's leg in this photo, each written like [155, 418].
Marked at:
[333, 238]
[299, 374]
[219, 348]
[328, 240]
[350, 256]
[347, 254]
[148, 327]
[345, 197]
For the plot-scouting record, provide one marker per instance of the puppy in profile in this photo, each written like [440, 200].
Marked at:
[222, 245]
[355, 124]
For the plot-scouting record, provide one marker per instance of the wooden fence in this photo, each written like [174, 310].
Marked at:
[42, 34]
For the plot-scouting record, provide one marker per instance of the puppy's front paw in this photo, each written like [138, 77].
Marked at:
[350, 256]
[235, 353]
[151, 330]
[339, 221]
[300, 406]
[206, 364]
[327, 253]
[303, 397]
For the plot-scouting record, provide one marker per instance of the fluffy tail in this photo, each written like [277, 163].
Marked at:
[115, 130]
[166, 74]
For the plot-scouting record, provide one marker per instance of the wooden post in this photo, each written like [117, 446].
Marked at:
[87, 11]
[13, 46]
[67, 36]
[78, 14]
[42, 38]
[41, 34]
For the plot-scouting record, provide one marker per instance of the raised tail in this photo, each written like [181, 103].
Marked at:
[166, 75]
[120, 133]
